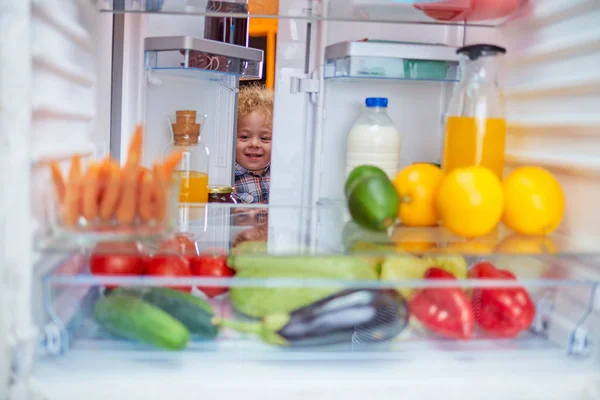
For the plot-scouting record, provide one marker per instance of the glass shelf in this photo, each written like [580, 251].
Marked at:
[303, 255]
[558, 328]
[453, 12]
[179, 53]
[409, 61]
[327, 229]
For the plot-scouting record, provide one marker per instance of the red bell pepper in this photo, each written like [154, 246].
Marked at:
[446, 311]
[502, 312]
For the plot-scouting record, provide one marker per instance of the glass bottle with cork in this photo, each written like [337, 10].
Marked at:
[193, 168]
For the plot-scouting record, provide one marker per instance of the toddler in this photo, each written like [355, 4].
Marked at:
[253, 144]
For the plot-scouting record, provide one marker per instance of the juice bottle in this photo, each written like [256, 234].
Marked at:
[192, 171]
[475, 130]
[470, 141]
[193, 187]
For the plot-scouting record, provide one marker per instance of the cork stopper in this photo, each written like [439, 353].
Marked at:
[185, 129]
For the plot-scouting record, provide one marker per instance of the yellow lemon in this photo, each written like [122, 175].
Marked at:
[470, 201]
[516, 244]
[535, 203]
[416, 185]
[414, 240]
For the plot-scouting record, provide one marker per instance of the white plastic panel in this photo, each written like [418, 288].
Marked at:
[15, 237]
[553, 97]
[63, 99]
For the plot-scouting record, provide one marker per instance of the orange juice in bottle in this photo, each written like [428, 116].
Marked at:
[193, 187]
[470, 141]
[475, 131]
[192, 171]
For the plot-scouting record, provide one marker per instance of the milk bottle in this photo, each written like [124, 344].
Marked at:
[374, 140]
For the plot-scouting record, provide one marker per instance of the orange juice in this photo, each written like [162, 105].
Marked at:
[471, 141]
[193, 187]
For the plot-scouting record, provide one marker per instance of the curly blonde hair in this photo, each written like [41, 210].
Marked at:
[256, 98]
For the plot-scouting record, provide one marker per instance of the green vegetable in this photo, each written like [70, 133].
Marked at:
[341, 265]
[135, 319]
[261, 301]
[193, 312]
[357, 239]
[360, 172]
[251, 247]
[373, 203]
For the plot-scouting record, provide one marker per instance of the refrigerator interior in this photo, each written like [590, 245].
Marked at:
[90, 100]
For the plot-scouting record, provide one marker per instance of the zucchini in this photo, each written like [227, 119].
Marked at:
[193, 312]
[334, 266]
[260, 301]
[135, 319]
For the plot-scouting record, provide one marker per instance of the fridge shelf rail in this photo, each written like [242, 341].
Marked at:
[180, 53]
[455, 12]
[374, 59]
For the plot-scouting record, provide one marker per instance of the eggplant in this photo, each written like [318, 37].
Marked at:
[349, 316]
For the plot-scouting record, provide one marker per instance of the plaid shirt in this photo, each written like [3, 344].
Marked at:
[251, 187]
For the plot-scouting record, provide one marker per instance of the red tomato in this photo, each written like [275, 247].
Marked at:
[118, 258]
[212, 265]
[171, 265]
[181, 243]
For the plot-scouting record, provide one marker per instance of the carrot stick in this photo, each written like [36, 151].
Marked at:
[171, 162]
[160, 193]
[112, 189]
[134, 153]
[72, 205]
[127, 203]
[146, 204]
[59, 181]
[90, 191]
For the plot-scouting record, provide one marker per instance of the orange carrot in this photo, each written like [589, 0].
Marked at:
[110, 197]
[72, 205]
[145, 202]
[171, 162]
[134, 153]
[90, 191]
[127, 203]
[59, 181]
[160, 193]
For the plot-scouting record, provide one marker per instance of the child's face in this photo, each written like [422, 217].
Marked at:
[253, 147]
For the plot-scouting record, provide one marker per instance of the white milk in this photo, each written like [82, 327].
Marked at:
[374, 140]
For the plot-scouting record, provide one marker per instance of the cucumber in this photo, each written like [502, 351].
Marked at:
[373, 203]
[133, 318]
[193, 312]
[361, 172]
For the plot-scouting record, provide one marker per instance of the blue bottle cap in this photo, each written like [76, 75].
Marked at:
[376, 102]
